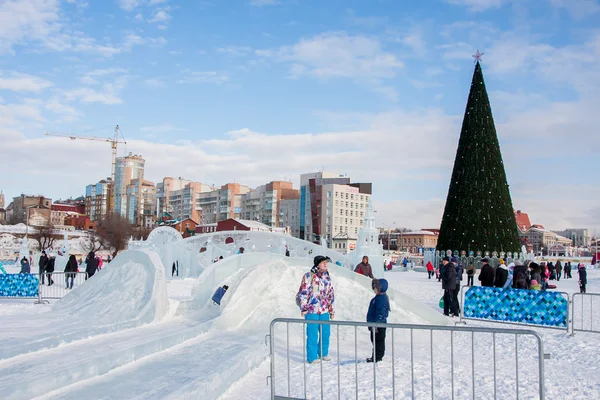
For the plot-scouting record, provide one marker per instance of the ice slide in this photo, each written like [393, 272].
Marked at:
[205, 367]
[176, 352]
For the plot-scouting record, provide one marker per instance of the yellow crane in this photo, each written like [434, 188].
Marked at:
[113, 143]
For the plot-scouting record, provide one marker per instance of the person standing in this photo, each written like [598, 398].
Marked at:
[520, 276]
[470, 274]
[364, 268]
[559, 269]
[316, 299]
[501, 276]
[49, 268]
[582, 272]
[287, 251]
[459, 273]
[70, 271]
[25, 266]
[42, 265]
[91, 265]
[486, 275]
[449, 285]
[379, 309]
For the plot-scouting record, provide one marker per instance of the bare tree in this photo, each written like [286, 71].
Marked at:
[93, 242]
[141, 233]
[45, 235]
[114, 231]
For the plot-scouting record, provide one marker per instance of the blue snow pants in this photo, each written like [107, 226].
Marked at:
[313, 341]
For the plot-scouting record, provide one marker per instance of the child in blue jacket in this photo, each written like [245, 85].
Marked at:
[379, 309]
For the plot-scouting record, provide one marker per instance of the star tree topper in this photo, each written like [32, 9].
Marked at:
[477, 56]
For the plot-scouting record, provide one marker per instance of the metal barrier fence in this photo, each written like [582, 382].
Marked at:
[523, 313]
[62, 283]
[578, 321]
[462, 357]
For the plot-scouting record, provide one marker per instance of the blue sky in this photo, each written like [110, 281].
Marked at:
[257, 90]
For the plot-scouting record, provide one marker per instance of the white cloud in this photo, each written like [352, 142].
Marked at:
[337, 55]
[89, 95]
[160, 15]
[18, 82]
[138, 17]
[578, 8]
[67, 112]
[215, 77]
[164, 128]
[155, 83]
[235, 50]
[262, 3]
[479, 5]
[130, 5]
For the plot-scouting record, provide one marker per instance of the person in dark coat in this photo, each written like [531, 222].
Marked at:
[459, 274]
[449, 286]
[364, 268]
[551, 270]
[536, 272]
[379, 309]
[70, 271]
[486, 275]
[582, 272]
[501, 276]
[91, 265]
[25, 267]
[42, 266]
[559, 269]
[520, 280]
[49, 268]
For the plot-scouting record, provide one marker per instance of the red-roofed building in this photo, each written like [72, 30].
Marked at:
[523, 222]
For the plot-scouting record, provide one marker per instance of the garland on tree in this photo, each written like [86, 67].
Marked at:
[478, 215]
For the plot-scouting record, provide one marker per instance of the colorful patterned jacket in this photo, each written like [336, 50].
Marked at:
[316, 294]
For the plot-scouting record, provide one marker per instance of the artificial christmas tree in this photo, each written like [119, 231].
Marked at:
[478, 215]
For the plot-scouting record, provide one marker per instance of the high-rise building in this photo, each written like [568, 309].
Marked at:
[263, 204]
[183, 203]
[318, 209]
[141, 202]
[289, 216]
[128, 168]
[96, 200]
[221, 204]
[164, 189]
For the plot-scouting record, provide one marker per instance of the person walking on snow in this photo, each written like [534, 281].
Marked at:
[42, 265]
[559, 269]
[429, 269]
[49, 268]
[459, 274]
[364, 268]
[91, 265]
[582, 272]
[70, 271]
[379, 309]
[316, 299]
[486, 275]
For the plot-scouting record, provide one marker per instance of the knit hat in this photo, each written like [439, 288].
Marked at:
[534, 282]
[446, 259]
[454, 260]
[518, 263]
[319, 259]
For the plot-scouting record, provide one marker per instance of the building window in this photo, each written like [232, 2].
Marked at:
[346, 197]
[336, 194]
[352, 197]
[346, 221]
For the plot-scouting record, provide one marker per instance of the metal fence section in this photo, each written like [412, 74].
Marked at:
[517, 312]
[55, 285]
[584, 316]
[424, 361]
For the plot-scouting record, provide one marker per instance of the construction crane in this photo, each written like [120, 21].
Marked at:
[113, 142]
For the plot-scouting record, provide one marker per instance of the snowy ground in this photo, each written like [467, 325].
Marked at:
[219, 352]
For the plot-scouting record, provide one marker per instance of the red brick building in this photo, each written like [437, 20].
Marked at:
[79, 222]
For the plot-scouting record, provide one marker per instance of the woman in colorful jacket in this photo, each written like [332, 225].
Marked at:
[316, 298]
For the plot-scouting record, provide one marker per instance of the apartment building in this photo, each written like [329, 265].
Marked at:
[128, 168]
[141, 202]
[96, 200]
[580, 237]
[221, 204]
[31, 210]
[183, 203]
[289, 215]
[263, 204]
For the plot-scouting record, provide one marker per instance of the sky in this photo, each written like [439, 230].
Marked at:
[251, 91]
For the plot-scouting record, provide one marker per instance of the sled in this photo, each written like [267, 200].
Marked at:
[551, 286]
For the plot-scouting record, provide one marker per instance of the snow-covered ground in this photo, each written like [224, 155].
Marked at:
[123, 335]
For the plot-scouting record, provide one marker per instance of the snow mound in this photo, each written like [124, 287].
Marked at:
[132, 288]
[128, 292]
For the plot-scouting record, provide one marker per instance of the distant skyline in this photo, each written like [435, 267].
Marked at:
[252, 91]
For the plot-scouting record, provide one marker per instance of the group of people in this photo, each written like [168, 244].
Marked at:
[516, 275]
[316, 300]
[46, 265]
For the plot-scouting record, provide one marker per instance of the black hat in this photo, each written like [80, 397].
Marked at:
[446, 259]
[485, 259]
[319, 259]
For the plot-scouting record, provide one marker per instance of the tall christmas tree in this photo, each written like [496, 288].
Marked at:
[478, 215]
